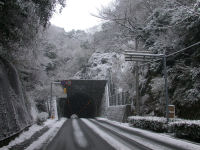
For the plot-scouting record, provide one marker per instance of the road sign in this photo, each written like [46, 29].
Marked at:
[65, 90]
[66, 82]
[171, 111]
[63, 82]
[69, 83]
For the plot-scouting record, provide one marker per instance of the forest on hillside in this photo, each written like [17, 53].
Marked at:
[42, 53]
[160, 27]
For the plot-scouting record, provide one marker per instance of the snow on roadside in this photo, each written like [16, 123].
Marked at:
[112, 121]
[159, 137]
[152, 118]
[188, 122]
[48, 136]
[27, 134]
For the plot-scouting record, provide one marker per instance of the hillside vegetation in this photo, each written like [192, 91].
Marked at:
[159, 26]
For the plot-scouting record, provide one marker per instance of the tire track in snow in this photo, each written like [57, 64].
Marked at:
[155, 139]
[80, 139]
[114, 142]
[136, 141]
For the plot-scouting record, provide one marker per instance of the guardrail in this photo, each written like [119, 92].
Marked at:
[5, 141]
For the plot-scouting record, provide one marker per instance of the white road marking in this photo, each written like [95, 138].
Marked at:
[108, 138]
[78, 134]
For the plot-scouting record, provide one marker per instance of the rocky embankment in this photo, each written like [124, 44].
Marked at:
[14, 108]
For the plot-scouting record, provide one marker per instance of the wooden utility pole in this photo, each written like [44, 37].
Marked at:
[137, 82]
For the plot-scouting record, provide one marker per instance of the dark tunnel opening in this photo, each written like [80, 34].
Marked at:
[79, 103]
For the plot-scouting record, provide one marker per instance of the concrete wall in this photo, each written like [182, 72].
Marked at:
[104, 103]
[117, 113]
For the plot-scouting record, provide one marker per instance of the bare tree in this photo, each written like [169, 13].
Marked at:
[131, 15]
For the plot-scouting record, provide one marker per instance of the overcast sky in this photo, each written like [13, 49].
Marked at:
[76, 14]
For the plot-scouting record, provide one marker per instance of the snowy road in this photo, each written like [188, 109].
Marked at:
[91, 134]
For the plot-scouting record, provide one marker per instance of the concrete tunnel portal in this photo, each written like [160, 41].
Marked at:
[84, 98]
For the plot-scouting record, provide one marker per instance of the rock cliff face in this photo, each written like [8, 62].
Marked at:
[98, 67]
[14, 108]
[103, 65]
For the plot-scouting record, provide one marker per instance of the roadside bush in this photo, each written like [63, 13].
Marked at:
[186, 129]
[157, 124]
[42, 117]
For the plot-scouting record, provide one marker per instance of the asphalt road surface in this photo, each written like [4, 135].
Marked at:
[91, 134]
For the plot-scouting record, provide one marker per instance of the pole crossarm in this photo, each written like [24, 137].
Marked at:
[158, 59]
[133, 59]
[143, 56]
[131, 51]
[54, 82]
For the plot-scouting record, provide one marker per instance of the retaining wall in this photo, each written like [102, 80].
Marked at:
[118, 113]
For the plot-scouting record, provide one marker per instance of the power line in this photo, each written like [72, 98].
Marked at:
[172, 54]
[182, 50]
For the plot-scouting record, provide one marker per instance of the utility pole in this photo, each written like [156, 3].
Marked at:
[166, 86]
[137, 82]
[51, 99]
[145, 56]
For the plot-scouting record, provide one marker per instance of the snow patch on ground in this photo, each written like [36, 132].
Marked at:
[189, 122]
[48, 136]
[151, 118]
[112, 121]
[27, 134]
[160, 137]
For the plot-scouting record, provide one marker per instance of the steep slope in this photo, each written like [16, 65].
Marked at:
[171, 30]
[14, 107]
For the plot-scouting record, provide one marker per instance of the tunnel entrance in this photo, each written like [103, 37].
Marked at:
[84, 98]
[79, 104]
